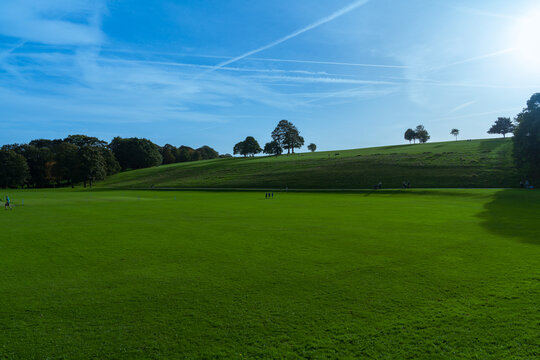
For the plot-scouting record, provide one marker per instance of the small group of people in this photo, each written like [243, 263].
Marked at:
[378, 186]
[525, 185]
[406, 185]
[269, 195]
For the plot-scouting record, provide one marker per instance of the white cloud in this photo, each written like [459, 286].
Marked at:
[46, 21]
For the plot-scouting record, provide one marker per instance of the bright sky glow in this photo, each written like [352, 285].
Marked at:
[348, 73]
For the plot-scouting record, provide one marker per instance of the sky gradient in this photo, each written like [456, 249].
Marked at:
[348, 73]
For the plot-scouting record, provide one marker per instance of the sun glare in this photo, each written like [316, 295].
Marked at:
[526, 38]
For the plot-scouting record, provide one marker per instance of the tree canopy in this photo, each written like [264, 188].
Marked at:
[454, 132]
[410, 135]
[422, 134]
[503, 126]
[527, 139]
[287, 136]
[248, 147]
[312, 147]
[273, 148]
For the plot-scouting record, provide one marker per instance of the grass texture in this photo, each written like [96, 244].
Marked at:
[420, 274]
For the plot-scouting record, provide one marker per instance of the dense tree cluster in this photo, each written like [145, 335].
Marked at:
[85, 159]
[420, 134]
[527, 139]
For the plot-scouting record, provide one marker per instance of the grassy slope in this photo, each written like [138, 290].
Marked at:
[405, 274]
[477, 163]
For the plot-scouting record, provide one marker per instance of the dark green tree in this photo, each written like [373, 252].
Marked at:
[251, 146]
[410, 135]
[527, 139]
[422, 134]
[67, 163]
[287, 136]
[13, 169]
[168, 154]
[502, 125]
[273, 148]
[184, 154]
[312, 147]
[92, 165]
[207, 153]
[454, 132]
[135, 153]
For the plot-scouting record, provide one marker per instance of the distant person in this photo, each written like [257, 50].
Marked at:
[379, 185]
[408, 184]
[272, 195]
[8, 204]
[404, 185]
[521, 185]
[527, 184]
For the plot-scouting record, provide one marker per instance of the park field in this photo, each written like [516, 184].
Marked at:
[485, 163]
[419, 274]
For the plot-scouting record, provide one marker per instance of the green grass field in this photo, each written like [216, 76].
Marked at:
[158, 275]
[462, 164]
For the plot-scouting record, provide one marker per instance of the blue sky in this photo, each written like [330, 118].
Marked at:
[348, 73]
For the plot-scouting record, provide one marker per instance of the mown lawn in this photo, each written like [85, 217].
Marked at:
[462, 164]
[157, 275]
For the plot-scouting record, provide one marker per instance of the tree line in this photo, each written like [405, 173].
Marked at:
[285, 136]
[85, 159]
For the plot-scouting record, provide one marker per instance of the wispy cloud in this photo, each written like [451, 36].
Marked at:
[474, 58]
[484, 13]
[460, 107]
[312, 26]
[42, 21]
[473, 115]
[326, 80]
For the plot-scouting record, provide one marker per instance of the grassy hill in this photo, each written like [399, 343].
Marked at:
[473, 163]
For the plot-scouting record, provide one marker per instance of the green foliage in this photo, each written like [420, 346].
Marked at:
[221, 275]
[184, 154]
[477, 163]
[410, 135]
[421, 134]
[13, 169]
[273, 148]
[207, 153]
[454, 132]
[527, 139]
[312, 147]
[502, 125]
[287, 136]
[135, 153]
[248, 147]
[168, 153]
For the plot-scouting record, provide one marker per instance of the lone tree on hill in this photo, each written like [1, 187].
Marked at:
[287, 136]
[273, 148]
[502, 125]
[454, 132]
[312, 147]
[410, 135]
[422, 134]
[527, 139]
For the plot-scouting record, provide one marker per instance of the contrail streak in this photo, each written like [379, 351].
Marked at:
[318, 23]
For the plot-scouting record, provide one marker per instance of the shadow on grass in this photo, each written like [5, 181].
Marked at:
[514, 213]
